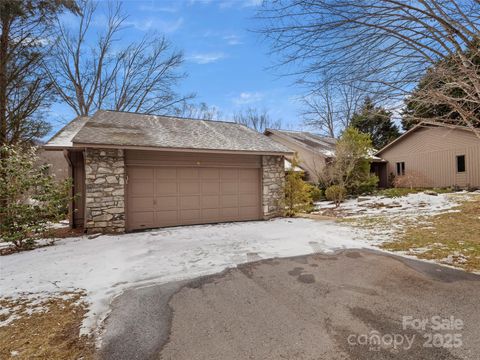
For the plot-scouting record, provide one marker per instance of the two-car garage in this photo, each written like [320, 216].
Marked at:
[141, 171]
[169, 188]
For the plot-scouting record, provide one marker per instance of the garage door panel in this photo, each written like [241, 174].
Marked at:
[189, 187]
[190, 215]
[248, 200]
[190, 202]
[229, 201]
[208, 173]
[168, 196]
[229, 174]
[248, 174]
[248, 212]
[141, 173]
[141, 188]
[229, 213]
[166, 202]
[142, 204]
[210, 201]
[229, 187]
[211, 214]
[248, 188]
[166, 218]
[188, 173]
[142, 219]
[166, 188]
[166, 173]
[212, 187]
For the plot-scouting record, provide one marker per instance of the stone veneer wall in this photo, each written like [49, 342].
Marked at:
[105, 190]
[273, 180]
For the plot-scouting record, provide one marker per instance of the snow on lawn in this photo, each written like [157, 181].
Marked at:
[412, 205]
[108, 264]
[385, 218]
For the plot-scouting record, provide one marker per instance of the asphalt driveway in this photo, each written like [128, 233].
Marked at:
[356, 304]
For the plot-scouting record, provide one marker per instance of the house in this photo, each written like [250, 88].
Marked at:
[135, 171]
[313, 151]
[434, 155]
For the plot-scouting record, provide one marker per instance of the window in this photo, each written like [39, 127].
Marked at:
[400, 168]
[461, 163]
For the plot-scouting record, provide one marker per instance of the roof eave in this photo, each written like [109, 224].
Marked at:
[171, 149]
[292, 140]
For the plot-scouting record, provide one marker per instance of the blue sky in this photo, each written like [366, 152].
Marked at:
[228, 65]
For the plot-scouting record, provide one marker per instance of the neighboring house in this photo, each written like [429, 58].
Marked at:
[134, 171]
[313, 151]
[434, 155]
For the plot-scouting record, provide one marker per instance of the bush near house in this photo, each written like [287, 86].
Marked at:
[29, 197]
[350, 168]
[336, 193]
[299, 195]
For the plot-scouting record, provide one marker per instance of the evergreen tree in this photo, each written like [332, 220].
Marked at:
[25, 39]
[377, 122]
[420, 105]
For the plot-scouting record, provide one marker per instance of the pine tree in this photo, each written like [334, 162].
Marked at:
[377, 122]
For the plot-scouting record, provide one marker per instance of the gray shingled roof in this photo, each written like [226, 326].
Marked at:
[125, 129]
[63, 138]
[323, 144]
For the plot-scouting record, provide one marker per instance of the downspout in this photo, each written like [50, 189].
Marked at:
[70, 175]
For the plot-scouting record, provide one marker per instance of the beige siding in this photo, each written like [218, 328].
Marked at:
[430, 155]
[311, 161]
[56, 160]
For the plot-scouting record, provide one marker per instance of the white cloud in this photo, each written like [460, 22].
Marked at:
[206, 58]
[240, 3]
[171, 8]
[150, 24]
[232, 39]
[248, 97]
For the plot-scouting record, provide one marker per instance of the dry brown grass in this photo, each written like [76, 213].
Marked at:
[51, 334]
[450, 238]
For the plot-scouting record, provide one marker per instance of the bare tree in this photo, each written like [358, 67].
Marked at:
[139, 77]
[258, 120]
[201, 111]
[330, 110]
[24, 90]
[386, 43]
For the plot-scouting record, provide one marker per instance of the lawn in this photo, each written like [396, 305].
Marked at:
[38, 328]
[433, 225]
[451, 238]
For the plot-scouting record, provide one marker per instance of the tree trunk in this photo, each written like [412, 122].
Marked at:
[3, 80]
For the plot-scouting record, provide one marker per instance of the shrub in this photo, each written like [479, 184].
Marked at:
[29, 197]
[411, 179]
[298, 193]
[316, 193]
[351, 166]
[336, 193]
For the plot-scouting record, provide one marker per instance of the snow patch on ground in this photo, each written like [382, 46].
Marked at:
[412, 205]
[108, 264]
[384, 219]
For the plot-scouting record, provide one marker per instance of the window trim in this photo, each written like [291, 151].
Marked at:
[464, 164]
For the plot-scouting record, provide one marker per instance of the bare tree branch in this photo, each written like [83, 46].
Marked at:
[139, 77]
[384, 45]
[258, 120]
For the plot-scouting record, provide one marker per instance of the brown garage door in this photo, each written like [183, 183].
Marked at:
[168, 196]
